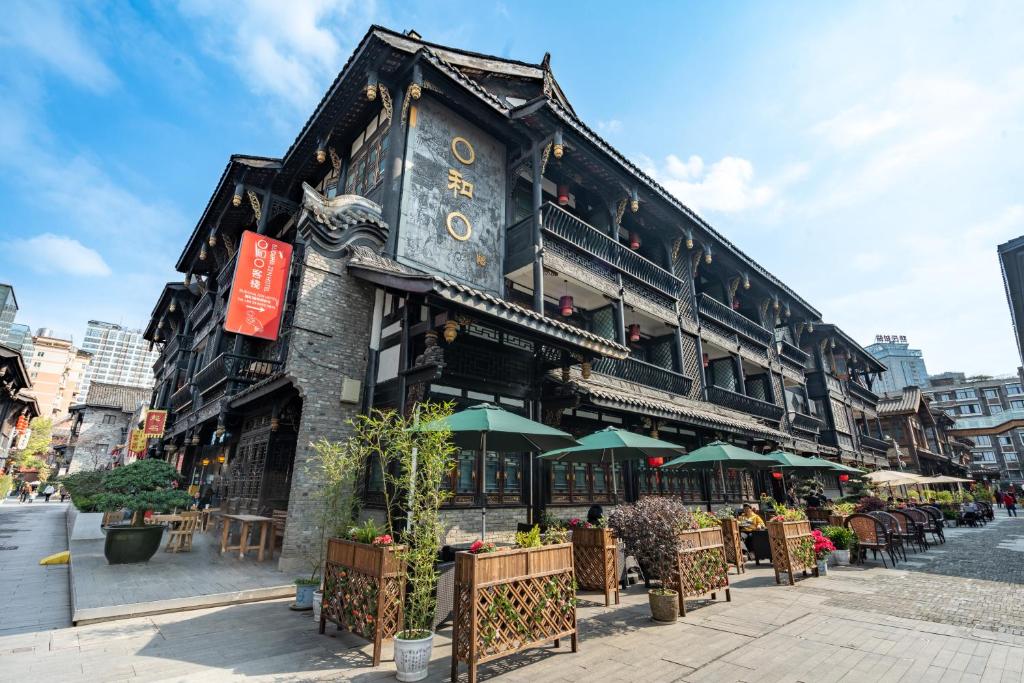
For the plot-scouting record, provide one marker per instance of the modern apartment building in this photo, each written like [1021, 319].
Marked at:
[990, 412]
[19, 338]
[56, 368]
[1011, 262]
[905, 366]
[8, 310]
[119, 356]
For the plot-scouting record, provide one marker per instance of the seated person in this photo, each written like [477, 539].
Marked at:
[749, 520]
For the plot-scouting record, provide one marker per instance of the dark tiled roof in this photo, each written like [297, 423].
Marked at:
[116, 396]
[905, 402]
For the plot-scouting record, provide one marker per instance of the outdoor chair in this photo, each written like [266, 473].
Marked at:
[938, 522]
[910, 532]
[758, 544]
[892, 528]
[871, 535]
[922, 520]
[179, 539]
[967, 517]
[986, 512]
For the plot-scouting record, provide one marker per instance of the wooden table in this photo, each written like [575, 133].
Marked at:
[171, 520]
[246, 522]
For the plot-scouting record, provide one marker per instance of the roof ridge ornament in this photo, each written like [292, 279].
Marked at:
[335, 226]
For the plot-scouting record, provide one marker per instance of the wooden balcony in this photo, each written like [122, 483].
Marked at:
[874, 443]
[709, 307]
[181, 399]
[236, 370]
[202, 309]
[640, 372]
[744, 403]
[830, 437]
[597, 251]
[806, 423]
[862, 392]
[793, 354]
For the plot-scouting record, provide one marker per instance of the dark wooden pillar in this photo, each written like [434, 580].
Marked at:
[538, 238]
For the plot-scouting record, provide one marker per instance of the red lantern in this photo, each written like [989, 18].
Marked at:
[653, 461]
[563, 195]
[776, 475]
[565, 305]
[634, 241]
[844, 477]
[634, 332]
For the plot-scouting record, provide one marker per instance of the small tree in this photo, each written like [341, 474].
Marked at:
[649, 529]
[84, 486]
[141, 486]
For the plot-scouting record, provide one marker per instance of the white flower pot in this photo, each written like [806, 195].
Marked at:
[823, 567]
[412, 657]
[318, 599]
[840, 557]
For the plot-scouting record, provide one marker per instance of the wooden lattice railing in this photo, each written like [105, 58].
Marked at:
[511, 600]
[364, 590]
[792, 548]
[594, 559]
[733, 544]
[701, 567]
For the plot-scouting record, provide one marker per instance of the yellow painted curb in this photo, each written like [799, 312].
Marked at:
[62, 557]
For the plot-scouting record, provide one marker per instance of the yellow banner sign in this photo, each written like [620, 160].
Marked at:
[137, 444]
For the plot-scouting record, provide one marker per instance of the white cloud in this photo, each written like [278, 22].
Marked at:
[857, 125]
[44, 31]
[60, 255]
[726, 186]
[610, 126]
[285, 50]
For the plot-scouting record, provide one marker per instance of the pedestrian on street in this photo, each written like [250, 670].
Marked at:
[63, 494]
[26, 492]
[47, 492]
[1010, 501]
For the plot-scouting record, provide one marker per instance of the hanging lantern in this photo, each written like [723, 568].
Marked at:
[689, 240]
[634, 332]
[206, 461]
[706, 360]
[172, 307]
[634, 201]
[371, 91]
[707, 257]
[776, 475]
[212, 239]
[321, 151]
[221, 459]
[585, 369]
[558, 144]
[202, 253]
[563, 195]
[451, 331]
[653, 461]
[236, 200]
[746, 281]
[565, 305]
[844, 477]
[810, 327]
[634, 241]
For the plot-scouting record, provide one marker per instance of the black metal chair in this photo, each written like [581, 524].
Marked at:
[892, 527]
[871, 535]
[757, 543]
[938, 522]
[912, 526]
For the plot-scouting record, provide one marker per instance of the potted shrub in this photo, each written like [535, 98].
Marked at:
[823, 548]
[649, 529]
[423, 469]
[842, 540]
[86, 520]
[144, 485]
[304, 589]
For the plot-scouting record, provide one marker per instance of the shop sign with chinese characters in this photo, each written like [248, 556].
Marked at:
[257, 294]
[453, 199]
[137, 443]
[155, 422]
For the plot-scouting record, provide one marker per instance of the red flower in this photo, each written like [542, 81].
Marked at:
[383, 539]
[481, 547]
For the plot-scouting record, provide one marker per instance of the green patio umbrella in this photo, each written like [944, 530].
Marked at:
[836, 466]
[785, 459]
[721, 453]
[489, 426]
[606, 444]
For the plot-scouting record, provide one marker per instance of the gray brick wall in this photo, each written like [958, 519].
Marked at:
[86, 451]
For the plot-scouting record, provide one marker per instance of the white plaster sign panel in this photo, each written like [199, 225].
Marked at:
[453, 199]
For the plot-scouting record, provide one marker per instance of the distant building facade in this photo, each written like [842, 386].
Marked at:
[56, 368]
[990, 412]
[119, 356]
[921, 437]
[8, 311]
[904, 366]
[101, 424]
[1011, 262]
[15, 401]
[19, 338]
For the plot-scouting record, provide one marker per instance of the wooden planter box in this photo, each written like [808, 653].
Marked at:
[364, 590]
[701, 566]
[837, 520]
[594, 559]
[786, 540]
[511, 600]
[734, 554]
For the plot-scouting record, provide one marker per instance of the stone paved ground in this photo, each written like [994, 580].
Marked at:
[935, 618]
[35, 598]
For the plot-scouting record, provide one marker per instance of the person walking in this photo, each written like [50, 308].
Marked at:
[26, 492]
[63, 494]
[1010, 502]
[47, 492]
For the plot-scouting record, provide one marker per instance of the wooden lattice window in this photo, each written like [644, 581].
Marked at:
[367, 156]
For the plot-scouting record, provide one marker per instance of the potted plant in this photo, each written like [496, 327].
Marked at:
[304, 589]
[823, 548]
[85, 520]
[423, 469]
[144, 485]
[649, 529]
[842, 540]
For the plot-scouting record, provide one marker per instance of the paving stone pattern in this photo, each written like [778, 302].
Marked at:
[833, 628]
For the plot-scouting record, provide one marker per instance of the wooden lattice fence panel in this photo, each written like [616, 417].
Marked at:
[733, 545]
[594, 560]
[364, 590]
[792, 548]
[701, 567]
[511, 600]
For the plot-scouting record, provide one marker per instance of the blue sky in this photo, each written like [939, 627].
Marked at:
[866, 153]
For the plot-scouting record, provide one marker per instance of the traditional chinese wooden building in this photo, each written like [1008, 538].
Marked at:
[922, 438]
[460, 234]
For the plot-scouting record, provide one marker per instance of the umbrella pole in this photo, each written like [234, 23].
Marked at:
[615, 484]
[483, 485]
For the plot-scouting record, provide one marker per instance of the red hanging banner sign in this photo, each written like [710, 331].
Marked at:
[156, 420]
[257, 291]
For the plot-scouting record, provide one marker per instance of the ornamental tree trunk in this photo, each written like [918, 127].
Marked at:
[138, 517]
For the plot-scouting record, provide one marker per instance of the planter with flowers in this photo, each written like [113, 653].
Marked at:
[701, 564]
[843, 540]
[823, 549]
[508, 600]
[364, 585]
[792, 545]
[731, 538]
[594, 556]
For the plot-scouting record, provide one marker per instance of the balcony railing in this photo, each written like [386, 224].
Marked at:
[744, 403]
[793, 353]
[737, 322]
[563, 225]
[181, 399]
[837, 439]
[236, 369]
[202, 308]
[862, 392]
[874, 443]
[227, 273]
[634, 370]
[806, 423]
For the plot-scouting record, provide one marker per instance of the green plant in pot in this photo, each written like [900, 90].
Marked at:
[649, 529]
[843, 539]
[422, 471]
[144, 485]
